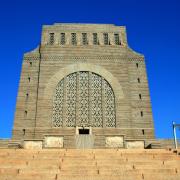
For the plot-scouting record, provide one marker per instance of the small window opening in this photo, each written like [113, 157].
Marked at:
[116, 39]
[141, 113]
[84, 39]
[138, 79]
[106, 39]
[24, 132]
[143, 131]
[29, 79]
[83, 131]
[73, 39]
[25, 113]
[95, 39]
[30, 63]
[63, 39]
[51, 38]
[140, 96]
[137, 65]
[27, 95]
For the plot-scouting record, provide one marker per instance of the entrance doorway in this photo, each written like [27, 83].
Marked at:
[83, 131]
[84, 138]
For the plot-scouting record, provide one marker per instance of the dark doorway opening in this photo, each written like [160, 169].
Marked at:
[83, 131]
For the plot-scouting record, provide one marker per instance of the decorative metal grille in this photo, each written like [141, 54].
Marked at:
[84, 99]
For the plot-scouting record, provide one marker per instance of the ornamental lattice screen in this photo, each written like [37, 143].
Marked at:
[84, 99]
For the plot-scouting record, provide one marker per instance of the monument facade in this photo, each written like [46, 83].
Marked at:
[84, 87]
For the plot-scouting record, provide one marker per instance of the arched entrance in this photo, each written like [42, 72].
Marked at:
[65, 83]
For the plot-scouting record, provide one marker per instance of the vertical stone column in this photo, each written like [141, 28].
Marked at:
[56, 38]
[90, 38]
[111, 38]
[68, 38]
[100, 38]
[79, 38]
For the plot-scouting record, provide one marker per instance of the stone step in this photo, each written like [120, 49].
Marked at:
[102, 171]
[10, 171]
[77, 162]
[92, 157]
[98, 177]
[58, 171]
[75, 153]
[137, 171]
[29, 177]
[9, 163]
[120, 177]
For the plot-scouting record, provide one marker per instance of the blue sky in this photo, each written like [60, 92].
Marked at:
[153, 29]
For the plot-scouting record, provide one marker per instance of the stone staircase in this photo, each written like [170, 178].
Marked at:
[84, 141]
[89, 164]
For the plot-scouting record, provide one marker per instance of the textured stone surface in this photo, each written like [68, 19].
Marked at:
[32, 144]
[115, 142]
[53, 142]
[135, 144]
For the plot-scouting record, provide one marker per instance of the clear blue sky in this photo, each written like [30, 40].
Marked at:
[153, 29]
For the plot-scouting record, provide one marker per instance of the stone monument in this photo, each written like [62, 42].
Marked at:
[83, 87]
